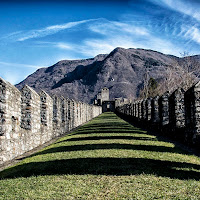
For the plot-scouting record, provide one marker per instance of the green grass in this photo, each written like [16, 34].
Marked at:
[105, 159]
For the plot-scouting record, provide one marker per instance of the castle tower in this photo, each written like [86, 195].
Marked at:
[105, 94]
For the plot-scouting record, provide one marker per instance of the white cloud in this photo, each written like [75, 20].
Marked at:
[63, 45]
[189, 8]
[93, 47]
[131, 28]
[11, 77]
[20, 65]
[15, 72]
[25, 35]
[192, 33]
[60, 45]
[107, 27]
[185, 28]
[127, 35]
[114, 34]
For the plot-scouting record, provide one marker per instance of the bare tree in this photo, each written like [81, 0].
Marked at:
[190, 67]
[144, 91]
[150, 86]
[181, 73]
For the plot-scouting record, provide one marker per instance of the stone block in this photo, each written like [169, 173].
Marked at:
[163, 103]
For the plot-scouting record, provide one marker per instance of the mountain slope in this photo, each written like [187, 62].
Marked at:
[122, 71]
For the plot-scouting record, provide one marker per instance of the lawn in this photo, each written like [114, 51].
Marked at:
[106, 158]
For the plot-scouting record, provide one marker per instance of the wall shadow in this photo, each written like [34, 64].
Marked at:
[151, 130]
[86, 147]
[109, 138]
[116, 131]
[105, 166]
[109, 124]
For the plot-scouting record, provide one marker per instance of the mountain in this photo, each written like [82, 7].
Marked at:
[122, 71]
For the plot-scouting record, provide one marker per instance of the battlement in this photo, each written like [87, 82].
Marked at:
[176, 115]
[29, 119]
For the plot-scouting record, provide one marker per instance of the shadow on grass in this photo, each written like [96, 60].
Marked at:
[109, 138]
[109, 124]
[105, 166]
[108, 146]
[117, 131]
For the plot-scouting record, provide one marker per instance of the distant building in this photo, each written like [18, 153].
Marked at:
[103, 99]
[105, 94]
[108, 106]
[99, 99]
[102, 96]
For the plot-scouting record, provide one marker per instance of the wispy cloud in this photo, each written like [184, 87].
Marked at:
[16, 72]
[107, 27]
[92, 47]
[127, 35]
[185, 20]
[20, 65]
[191, 33]
[11, 77]
[108, 35]
[60, 45]
[50, 30]
[168, 26]
[116, 34]
[190, 8]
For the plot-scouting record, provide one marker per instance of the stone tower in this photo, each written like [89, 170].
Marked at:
[105, 94]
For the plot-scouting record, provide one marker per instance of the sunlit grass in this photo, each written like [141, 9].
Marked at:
[105, 159]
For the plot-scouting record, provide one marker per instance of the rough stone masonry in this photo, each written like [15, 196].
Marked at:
[29, 119]
[176, 114]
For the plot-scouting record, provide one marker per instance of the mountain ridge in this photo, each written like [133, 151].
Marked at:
[122, 71]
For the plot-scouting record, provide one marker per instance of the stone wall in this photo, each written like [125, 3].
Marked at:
[164, 109]
[29, 119]
[176, 115]
[192, 114]
[155, 110]
[148, 109]
[177, 109]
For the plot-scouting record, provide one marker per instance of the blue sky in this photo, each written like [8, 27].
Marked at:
[36, 34]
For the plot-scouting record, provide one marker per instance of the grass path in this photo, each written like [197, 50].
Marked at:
[105, 159]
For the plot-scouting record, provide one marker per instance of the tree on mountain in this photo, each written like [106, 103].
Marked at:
[150, 87]
[182, 73]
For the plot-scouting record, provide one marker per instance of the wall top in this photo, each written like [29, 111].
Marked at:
[30, 89]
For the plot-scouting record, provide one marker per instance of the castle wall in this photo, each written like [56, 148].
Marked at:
[176, 115]
[69, 115]
[164, 109]
[148, 109]
[29, 119]
[10, 121]
[155, 110]
[56, 115]
[192, 114]
[143, 109]
[139, 110]
[177, 109]
[46, 114]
